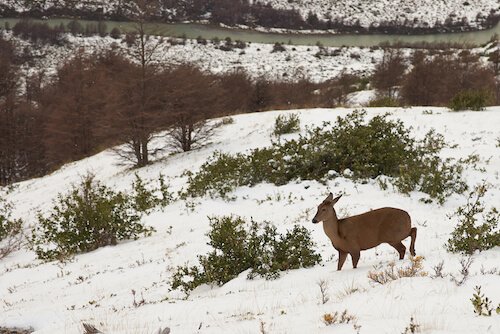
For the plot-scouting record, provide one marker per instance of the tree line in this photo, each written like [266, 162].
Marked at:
[437, 77]
[100, 100]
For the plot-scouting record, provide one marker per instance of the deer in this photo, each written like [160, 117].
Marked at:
[353, 234]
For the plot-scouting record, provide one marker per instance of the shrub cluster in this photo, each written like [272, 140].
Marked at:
[239, 246]
[90, 216]
[477, 229]
[353, 146]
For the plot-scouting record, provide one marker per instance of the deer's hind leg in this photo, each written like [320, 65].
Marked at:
[400, 248]
[355, 254]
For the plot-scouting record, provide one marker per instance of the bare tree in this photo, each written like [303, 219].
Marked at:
[389, 72]
[195, 97]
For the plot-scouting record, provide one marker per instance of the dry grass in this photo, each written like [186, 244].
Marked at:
[338, 318]
[391, 273]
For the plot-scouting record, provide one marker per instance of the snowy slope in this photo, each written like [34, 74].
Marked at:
[256, 59]
[96, 287]
[419, 13]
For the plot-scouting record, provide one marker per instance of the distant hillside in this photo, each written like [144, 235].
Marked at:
[397, 16]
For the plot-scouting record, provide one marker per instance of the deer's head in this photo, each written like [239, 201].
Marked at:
[325, 209]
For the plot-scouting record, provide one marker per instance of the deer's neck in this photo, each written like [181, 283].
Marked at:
[332, 230]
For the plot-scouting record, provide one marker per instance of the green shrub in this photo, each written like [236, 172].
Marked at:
[147, 198]
[284, 124]
[368, 149]
[476, 229]
[470, 100]
[238, 247]
[384, 102]
[482, 304]
[90, 216]
[8, 226]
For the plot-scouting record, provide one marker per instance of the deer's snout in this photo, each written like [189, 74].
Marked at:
[315, 221]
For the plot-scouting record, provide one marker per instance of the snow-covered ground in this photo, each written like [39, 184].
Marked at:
[256, 59]
[97, 287]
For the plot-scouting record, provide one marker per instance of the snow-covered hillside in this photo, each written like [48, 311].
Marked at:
[97, 287]
[413, 13]
[257, 60]
[418, 13]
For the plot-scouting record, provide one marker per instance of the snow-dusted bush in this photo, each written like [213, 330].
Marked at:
[477, 229]
[90, 216]
[284, 124]
[239, 246]
[368, 149]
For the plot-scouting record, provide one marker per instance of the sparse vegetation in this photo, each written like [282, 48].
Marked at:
[284, 124]
[90, 216]
[367, 149]
[338, 318]
[412, 328]
[9, 229]
[239, 246]
[391, 273]
[482, 304]
[477, 229]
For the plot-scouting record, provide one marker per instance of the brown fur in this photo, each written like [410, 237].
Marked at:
[356, 233]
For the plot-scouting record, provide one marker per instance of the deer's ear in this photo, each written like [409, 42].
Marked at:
[336, 199]
[329, 199]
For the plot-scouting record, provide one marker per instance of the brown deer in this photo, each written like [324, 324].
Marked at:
[356, 233]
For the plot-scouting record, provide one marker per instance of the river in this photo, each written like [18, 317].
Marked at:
[193, 30]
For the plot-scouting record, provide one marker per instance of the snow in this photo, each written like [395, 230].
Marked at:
[97, 287]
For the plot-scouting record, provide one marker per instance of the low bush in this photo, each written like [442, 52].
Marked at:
[284, 124]
[147, 198]
[477, 229]
[470, 100]
[239, 246]
[367, 149]
[90, 216]
[482, 304]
